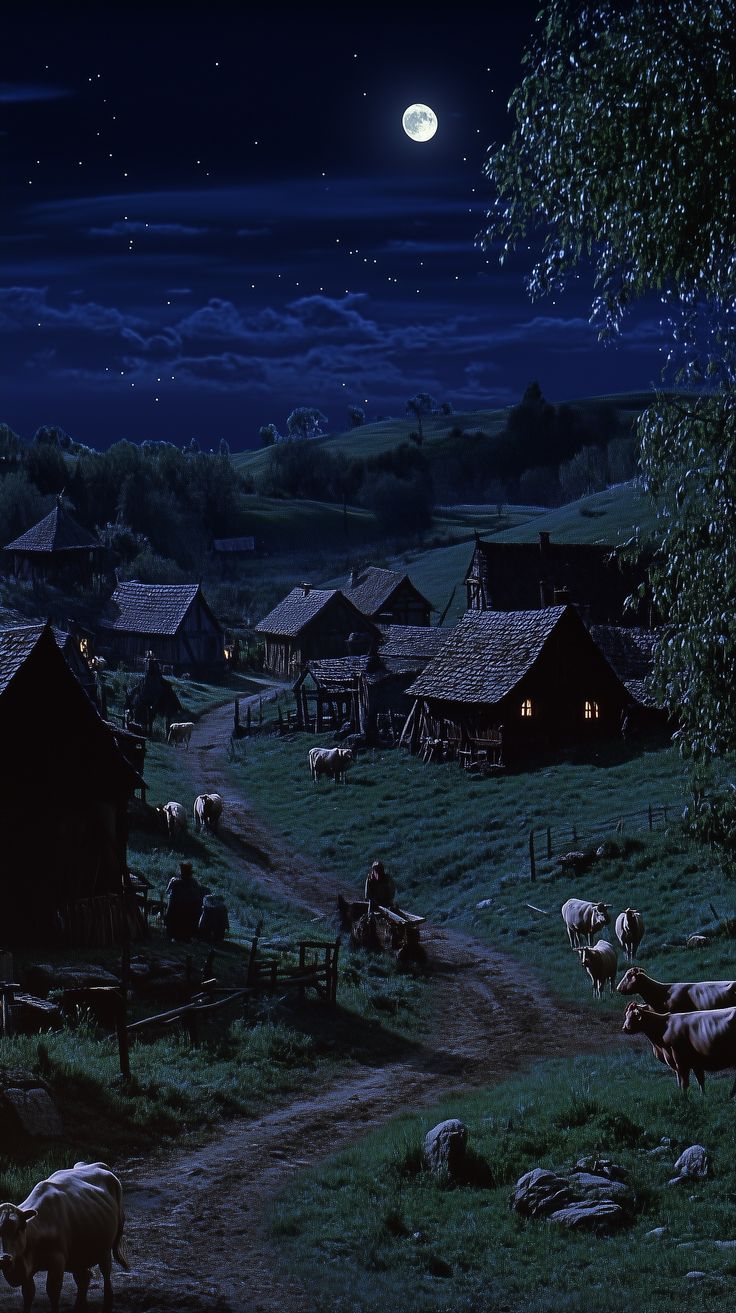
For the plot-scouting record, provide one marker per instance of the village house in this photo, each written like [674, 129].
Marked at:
[172, 622]
[313, 623]
[63, 808]
[505, 576]
[57, 550]
[388, 597]
[507, 683]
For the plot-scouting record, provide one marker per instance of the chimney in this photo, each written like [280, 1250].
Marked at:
[544, 592]
[306, 588]
[354, 576]
[543, 540]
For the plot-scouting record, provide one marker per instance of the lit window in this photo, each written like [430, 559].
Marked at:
[526, 707]
[591, 711]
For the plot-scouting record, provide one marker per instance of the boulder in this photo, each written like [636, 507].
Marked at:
[696, 941]
[444, 1147]
[540, 1192]
[594, 1189]
[693, 1164]
[602, 1167]
[601, 1216]
[35, 1111]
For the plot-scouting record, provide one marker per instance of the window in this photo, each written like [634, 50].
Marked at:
[526, 707]
[591, 711]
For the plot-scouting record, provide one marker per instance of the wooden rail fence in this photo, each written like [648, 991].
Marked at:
[550, 839]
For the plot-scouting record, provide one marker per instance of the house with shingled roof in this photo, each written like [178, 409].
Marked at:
[313, 623]
[388, 597]
[58, 550]
[530, 680]
[172, 621]
[63, 805]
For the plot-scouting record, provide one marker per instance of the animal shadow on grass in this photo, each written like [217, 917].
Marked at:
[249, 852]
[339, 1030]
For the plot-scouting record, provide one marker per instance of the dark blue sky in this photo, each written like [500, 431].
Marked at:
[212, 215]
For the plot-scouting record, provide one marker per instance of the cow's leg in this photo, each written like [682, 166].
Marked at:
[82, 1280]
[733, 1091]
[700, 1078]
[29, 1290]
[106, 1269]
[54, 1282]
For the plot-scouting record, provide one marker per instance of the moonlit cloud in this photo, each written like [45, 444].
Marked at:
[25, 93]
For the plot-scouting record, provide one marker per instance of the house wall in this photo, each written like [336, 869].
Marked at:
[406, 607]
[198, 642]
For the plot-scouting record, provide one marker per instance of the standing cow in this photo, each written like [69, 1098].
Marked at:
[630, 931]
[333, 763]
[207, 812]
[600, 962]
[180, 731]
[69, 1223]
[583, 918]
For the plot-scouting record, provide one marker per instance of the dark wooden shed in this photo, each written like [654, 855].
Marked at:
[173, 622]
[311, 624]
[63, 805]
[535, 679]
[58, 550]
[388, 597]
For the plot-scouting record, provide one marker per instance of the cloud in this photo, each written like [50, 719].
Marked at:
[130, 228]
[26, 93]
[27, 307]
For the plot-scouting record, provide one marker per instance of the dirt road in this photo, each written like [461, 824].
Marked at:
[195, 1218]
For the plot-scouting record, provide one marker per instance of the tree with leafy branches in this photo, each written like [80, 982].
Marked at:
[621, 159]
[305, 422]
[420, 405]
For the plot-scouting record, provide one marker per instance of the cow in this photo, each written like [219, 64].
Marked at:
[583, 918]
[180, 731]
[687, 1041]
[175, 819]
[630, 931]
[333, 762]
[600, 962]
[685, 996]
[207, 812]
[69, 1223]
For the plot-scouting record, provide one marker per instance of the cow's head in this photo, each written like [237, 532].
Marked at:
[601, 916]
[629, 982]
[15, 1262]
[634, 1017]
[584, 955]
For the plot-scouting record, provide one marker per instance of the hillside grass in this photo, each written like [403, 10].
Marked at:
[371, 1229]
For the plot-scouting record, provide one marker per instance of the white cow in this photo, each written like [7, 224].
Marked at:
[600, 962]
[180, 731]
[584, 918]
[207, 812]
[69, 1223]
[175, 819]
[630, 931]
[332, 762]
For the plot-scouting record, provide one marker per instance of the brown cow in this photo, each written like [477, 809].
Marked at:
[692, 996]
[687, 1041]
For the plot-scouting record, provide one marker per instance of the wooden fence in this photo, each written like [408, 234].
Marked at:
[548, 841]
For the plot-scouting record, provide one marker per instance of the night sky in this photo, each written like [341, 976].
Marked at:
[212, 215]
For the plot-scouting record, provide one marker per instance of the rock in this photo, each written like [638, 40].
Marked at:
[601, 1188]
[696, 941]
[444, 1147]
[484, 902]
[602, 1167]
[665, 1140]
[602, 1216]
[36, 1112]
[540, 1192]
[661, 1151]
[695, 1276]
[656, 1233]
[693, 1162]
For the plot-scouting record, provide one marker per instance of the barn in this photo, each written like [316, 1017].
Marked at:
[57, 550]
[171, 622]
[69, 645]
[388, 597]
[509, 683]
[63, 807]
[313, 624]
[505, 576]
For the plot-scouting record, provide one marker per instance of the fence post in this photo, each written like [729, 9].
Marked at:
[574, 833]
[121, 1026]
[532, 857]
[651, 819]
[549, 842]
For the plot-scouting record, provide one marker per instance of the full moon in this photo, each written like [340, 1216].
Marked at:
[420, 122]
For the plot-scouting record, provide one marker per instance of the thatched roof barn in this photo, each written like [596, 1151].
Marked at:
[171, 621]
[388, 597]
[310, 624]
[63, 806]
[526, 576]
[538, 676]
[57, 549]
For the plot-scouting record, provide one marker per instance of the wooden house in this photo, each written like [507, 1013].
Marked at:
[69, 645]
[505, 576]
[523, 680]
[310, 624]
[172, 622]
[388, 597]
[63, 805]
[57, 550]
[230, 553]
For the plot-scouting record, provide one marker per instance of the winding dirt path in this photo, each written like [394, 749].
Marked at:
[196, 1218]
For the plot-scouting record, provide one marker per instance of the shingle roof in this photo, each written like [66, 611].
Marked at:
[631, 653]
[137, 608]
[487, 654]
[296, 610]
[411, 647]
[56, 532]
[16, 646]
[373, 588]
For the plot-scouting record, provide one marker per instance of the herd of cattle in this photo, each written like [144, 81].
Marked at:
[691, 1026]
[207, 812]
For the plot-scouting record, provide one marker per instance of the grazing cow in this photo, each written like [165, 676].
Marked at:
[333, 762]
[630, 931]
[600, 962]
[687, 1041]
[180, 731]
[583, 918]
[686, 996]
[207, 812]
[69, 1223]
[175, 819]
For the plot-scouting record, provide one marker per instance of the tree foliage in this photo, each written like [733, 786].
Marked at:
[305, 422]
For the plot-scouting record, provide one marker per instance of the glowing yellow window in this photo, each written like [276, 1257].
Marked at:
[526, 707]
[591, 711]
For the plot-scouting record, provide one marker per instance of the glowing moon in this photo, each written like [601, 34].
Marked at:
[419, 122]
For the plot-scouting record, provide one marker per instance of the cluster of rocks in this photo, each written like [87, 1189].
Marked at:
[26, 1105]
[595, 1195]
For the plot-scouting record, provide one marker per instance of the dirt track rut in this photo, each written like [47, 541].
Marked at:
[196, 1218]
